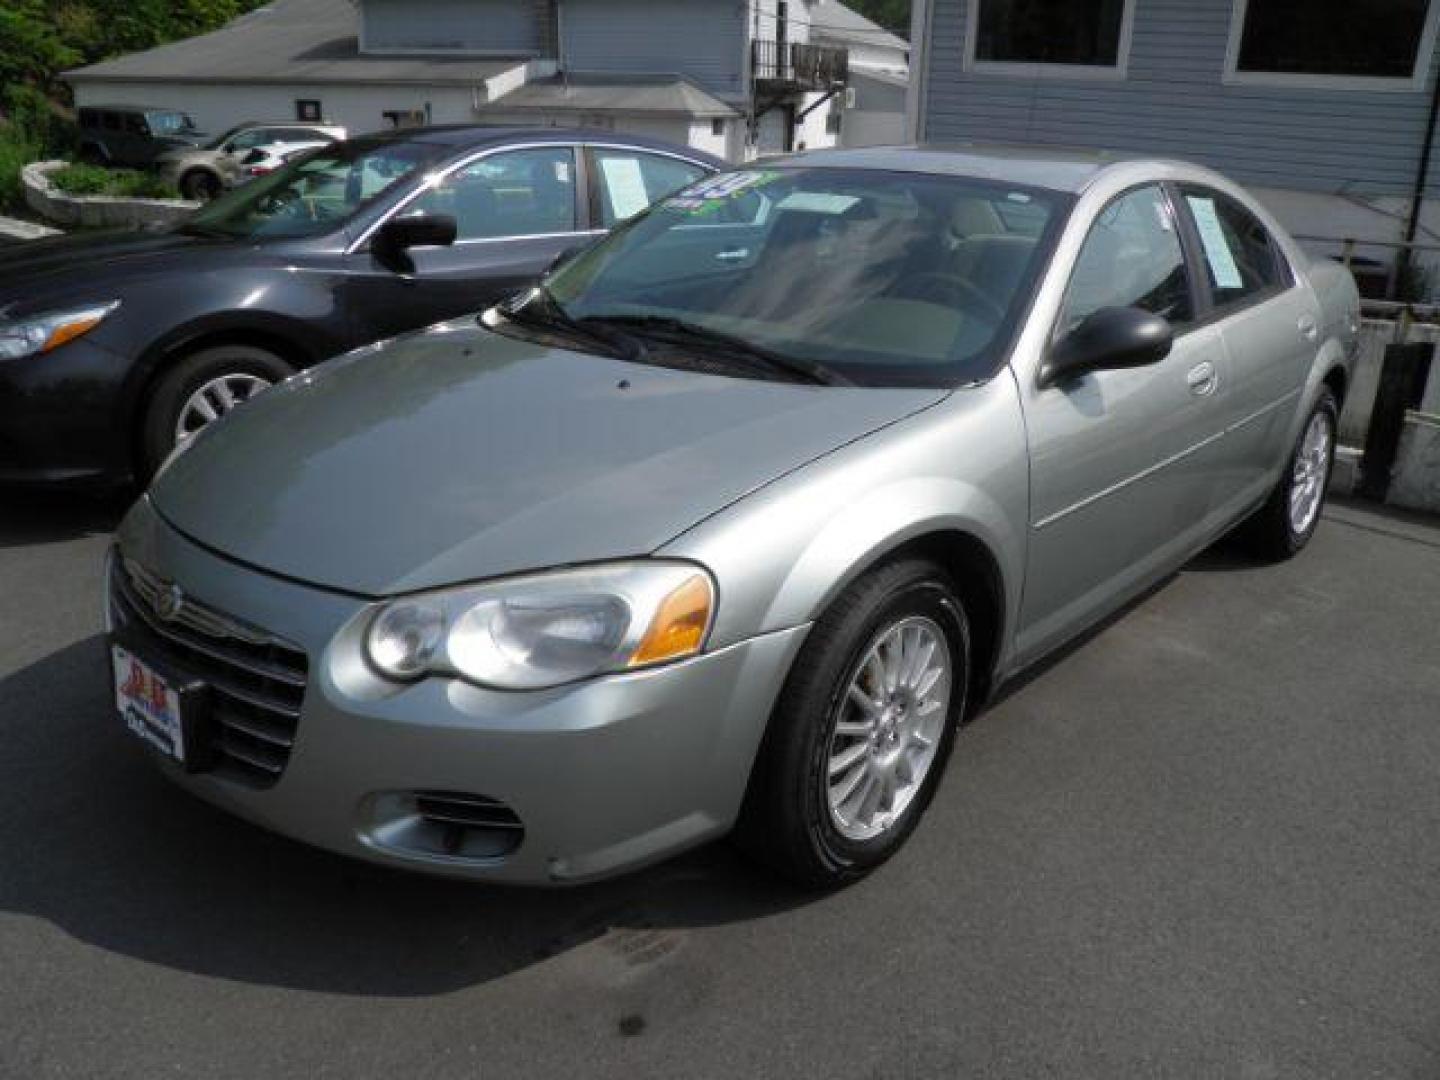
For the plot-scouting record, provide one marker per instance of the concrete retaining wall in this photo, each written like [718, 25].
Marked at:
[96, 211]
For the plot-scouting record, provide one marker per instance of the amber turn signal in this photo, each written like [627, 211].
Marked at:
[69, 331]
[680, 623]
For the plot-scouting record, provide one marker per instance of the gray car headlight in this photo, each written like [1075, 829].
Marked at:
[42, 333]
[548, 629]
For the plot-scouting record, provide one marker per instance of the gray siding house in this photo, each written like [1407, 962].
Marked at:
[732, 77]
[1322, 108]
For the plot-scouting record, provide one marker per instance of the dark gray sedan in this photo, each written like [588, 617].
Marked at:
[732, 520]
[115, 347]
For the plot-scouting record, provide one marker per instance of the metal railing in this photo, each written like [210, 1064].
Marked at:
[799, 66]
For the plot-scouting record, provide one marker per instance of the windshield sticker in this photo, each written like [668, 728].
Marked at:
[709, 193]
[817, 202]
[1217, 248]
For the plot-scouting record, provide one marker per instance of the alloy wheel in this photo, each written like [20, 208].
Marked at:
[887, 727]
[214, 399]
[1311, 472]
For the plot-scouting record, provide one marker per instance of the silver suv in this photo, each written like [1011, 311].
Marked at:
[203, 173]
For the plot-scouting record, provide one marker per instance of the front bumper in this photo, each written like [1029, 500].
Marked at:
[60, 416]
[602, 776]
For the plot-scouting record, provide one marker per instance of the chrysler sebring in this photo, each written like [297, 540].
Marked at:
[728, 523]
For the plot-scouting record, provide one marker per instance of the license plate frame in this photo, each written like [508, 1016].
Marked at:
[163, 709]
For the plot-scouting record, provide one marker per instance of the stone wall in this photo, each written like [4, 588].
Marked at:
[96, 211]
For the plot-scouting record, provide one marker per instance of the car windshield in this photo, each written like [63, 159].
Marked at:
[873, 277]
[317, 193]
[221, 140]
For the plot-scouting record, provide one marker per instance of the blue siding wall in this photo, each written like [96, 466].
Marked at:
[504, 26]
[702, 39]
[1174, 102]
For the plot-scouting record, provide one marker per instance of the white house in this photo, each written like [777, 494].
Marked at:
[873, 112]
[733, 77]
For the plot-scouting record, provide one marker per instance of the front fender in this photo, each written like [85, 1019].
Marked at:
[784, 553]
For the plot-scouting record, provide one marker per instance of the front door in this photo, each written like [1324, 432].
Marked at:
[1123, 462]
[515, 212]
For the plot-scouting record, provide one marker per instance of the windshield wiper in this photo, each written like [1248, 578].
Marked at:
[683, 332]
[539, 308]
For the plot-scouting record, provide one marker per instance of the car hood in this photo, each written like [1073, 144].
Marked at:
[456, 454]
[85, 267]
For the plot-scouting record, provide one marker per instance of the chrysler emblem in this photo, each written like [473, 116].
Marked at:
[169, 602]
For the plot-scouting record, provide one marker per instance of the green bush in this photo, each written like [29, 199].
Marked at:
[82, 179]
[15, 154]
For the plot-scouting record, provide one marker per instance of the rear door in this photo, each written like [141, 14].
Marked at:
[1269, 324]
[1123, 462]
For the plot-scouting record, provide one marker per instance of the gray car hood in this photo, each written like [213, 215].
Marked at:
[457, 454]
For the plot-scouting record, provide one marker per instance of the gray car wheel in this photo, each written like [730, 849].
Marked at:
[863, 728]
[1290, 516]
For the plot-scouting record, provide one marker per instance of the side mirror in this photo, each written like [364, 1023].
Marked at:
[398, 235]
[1113, 337]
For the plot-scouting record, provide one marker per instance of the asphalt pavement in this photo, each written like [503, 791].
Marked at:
[1203, 843]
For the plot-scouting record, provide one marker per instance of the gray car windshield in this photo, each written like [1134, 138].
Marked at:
[878, 278]
[317, 193]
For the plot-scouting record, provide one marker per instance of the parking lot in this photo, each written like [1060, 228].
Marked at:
[1206, 842]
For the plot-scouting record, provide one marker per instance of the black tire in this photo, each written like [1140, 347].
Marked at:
[162, 414]
[1269, 533]
[200, 185]
[786, 821]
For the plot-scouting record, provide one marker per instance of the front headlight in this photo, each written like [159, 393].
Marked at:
[42, 333]
[548, 629]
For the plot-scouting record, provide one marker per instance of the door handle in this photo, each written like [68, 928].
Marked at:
[733, 255]
[1308, 329]
[1202, 379]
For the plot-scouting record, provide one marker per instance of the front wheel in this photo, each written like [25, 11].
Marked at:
[200, 185]
[1289, 518]
[199, 390]
[863, 728]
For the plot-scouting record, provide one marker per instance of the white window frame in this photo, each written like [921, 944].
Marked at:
[1116, 71]
[1414, 83]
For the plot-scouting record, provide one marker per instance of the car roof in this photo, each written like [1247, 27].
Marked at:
[133, 108]
[472, 136]
[1057, 168]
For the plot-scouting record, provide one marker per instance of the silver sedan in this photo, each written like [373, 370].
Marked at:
[728, 524]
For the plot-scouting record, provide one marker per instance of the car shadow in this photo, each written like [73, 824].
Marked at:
[29, 517]
[94, 841]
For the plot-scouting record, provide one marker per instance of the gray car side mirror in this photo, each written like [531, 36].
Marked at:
[1113, 337]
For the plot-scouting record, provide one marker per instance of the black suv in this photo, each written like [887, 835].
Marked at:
[131, 135]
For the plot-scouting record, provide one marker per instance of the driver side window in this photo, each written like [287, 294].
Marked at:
[1131, 258]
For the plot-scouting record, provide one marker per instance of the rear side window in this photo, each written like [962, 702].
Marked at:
[629, 181]
[1131, 258]
[1241, 259]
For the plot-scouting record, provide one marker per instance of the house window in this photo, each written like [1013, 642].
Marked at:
[717, 127]
[308, 110]
[1051, 36]
[1337, 41]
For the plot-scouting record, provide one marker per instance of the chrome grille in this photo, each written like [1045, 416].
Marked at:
[257, 680]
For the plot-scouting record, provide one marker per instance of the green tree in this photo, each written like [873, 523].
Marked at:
[894, 15]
